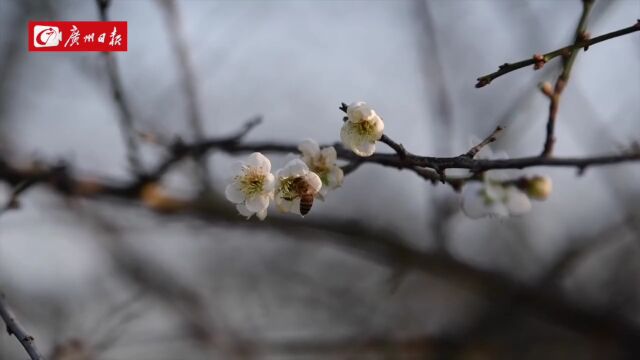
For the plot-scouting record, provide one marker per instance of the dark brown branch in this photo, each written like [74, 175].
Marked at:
[233, 144]
[397, 147]
[376, 244]
[14, 328]
[401, 160]
[585, 43]
[13, 202]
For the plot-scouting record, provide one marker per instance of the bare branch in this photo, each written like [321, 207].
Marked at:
[179, 44]
[388, 248]
[14, 328]
[563, 78]
[12, 202]
[126, 117]
[585, 43]
[488, 140]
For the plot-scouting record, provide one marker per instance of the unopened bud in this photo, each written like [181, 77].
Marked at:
[538, 61]
[546, 88]
[539, 187]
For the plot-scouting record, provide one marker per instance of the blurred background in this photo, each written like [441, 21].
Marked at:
[387, 267]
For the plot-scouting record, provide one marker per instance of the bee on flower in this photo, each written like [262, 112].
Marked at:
[362, 129]
[323, 163]
[252, 186]
[296, 187]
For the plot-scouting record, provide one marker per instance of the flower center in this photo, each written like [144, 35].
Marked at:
[365, 128]
[287, 188]
[252, 182]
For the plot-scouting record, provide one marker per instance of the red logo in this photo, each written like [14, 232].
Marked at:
[78, 36]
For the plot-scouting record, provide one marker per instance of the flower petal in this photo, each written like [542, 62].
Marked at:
[347, 134]
[379, 127]
[257, 160]
[359, 111]
[329, 155]
[262, 214]
[294, 168]
[242, 209]
[364, 149]
[233, 193]
[309, 147]
[517, 202]
[336, 176]
[283, 205]
[257, 203]
[314, 181]
[473, 203]
[269, 183]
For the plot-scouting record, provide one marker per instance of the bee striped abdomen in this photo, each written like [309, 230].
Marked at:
[306, 201]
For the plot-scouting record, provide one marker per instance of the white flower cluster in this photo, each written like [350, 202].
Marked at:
[496, 196]
[294, 187]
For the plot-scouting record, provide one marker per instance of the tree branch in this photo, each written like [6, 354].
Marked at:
[380, 245]
[563, 78]
[488, 140]
[233, 145]
[585, 43]
[14, 328]
[126, 117]
[187, 73]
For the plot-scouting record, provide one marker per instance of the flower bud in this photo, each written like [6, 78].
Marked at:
[539, 187]
[546, 88]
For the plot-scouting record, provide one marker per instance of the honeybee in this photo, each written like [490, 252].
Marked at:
[302, 190]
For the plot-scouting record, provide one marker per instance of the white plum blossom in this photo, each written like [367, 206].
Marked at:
[493, 198]
[252, 186]
[323, 163]
[496, 195]
[294, 178]
[362, 129]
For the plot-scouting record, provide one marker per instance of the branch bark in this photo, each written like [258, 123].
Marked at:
[509, 67]
[15, 328]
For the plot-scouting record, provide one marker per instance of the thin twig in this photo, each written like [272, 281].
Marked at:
[12, 202]
[509, 67]
[563, 78]
[179, 44]
[488, 140]
[397, 147]
[126, 117]
[15, 328]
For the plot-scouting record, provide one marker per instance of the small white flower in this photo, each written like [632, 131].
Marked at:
[292, 181]
[362, 129]
[323, 163]
[252, 186]
[493, 199]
